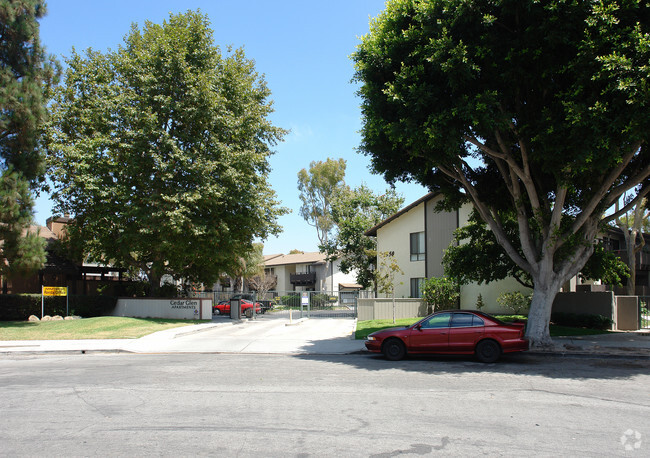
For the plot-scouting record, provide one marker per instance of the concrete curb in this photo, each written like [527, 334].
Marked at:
[196, 331]
[296, 322]
[586, 354]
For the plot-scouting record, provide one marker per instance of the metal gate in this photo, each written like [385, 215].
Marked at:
[297, 304]
[644, 307]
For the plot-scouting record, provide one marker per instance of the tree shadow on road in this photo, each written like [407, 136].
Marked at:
[552, 366]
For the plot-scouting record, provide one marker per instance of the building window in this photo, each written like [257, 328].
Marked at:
[417, 246]
[416, 287]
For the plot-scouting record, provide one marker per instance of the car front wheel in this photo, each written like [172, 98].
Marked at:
[488, 351]
[394, 350]
[216, 312]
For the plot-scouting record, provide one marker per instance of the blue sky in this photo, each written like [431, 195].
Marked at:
[302, 48]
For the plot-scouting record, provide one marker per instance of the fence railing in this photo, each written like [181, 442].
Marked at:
[306, 303]
[644, 310]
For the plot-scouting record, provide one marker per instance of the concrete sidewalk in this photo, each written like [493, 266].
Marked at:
[263, 335]
[267, 335]
[615, 344]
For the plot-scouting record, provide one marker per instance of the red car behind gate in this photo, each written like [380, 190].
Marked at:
[223, 307]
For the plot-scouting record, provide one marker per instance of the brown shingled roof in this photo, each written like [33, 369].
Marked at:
[300, 258]
[372, 232]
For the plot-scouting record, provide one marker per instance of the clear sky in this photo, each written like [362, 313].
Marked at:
[302, 48]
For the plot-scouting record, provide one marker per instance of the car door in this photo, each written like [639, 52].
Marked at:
[431, 335]
[465, 330]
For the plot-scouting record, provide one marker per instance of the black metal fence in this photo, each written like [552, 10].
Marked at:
[298, 304]
[644, 306]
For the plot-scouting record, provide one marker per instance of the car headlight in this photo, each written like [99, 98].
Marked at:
[372, 338]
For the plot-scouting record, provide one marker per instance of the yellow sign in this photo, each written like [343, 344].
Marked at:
[55, 291]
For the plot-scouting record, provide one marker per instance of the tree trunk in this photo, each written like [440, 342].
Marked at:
[631, 263]
[537, 329]
[154, 283]
[154, 275]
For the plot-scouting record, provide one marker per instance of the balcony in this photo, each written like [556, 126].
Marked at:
[303, 279]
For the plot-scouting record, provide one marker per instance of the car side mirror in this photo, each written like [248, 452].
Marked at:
[418, 327]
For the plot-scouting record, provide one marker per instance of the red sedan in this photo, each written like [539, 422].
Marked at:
[451, 332]
[223, 307]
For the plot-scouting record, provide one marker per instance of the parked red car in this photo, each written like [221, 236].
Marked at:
[451, 332]
[223, 307]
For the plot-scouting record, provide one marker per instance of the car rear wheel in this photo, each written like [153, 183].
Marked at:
[394, 350]
[488, 351]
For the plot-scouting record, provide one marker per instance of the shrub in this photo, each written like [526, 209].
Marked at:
[18, 307]
[290, 300]
[441, 293]
[516, 302]
[315, 300]
[581, 320]
[479, 303]
[321, 300]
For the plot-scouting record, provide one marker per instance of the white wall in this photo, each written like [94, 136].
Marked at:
[181, 308]
[395, 236]
[489, 292]
[331, 283]
[282, 273]
[463, 214]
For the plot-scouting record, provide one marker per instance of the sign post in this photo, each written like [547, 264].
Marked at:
[304, 302]
[54, 291]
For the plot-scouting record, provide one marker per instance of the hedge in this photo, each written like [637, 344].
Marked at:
[582, 321]
[18, 307]
[315, 300]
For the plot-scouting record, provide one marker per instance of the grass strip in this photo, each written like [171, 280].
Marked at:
[106, 327]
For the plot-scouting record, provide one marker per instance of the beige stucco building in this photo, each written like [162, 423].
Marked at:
[308, 272]
[417, 236]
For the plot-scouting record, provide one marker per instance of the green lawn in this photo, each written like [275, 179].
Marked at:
[366, 327]
[106, 327]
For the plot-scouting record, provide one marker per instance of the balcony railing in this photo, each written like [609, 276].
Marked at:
[304, 279]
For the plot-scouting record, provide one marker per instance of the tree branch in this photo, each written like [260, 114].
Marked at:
[495, 225]
[628, 184]
[556, 218]
[628, 207]
[605, 186]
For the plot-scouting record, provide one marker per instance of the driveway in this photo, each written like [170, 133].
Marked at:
[266, 334]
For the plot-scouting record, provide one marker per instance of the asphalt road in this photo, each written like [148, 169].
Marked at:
[345, 405]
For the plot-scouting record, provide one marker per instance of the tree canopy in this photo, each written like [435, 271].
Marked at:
[26, 76]
[317, 186]
[475, 256]
[159, 150]
[537, 109]
[354, 211]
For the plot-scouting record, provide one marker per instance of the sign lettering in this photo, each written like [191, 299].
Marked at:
[55, 291]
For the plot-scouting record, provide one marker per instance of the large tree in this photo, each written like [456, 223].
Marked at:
[159, 150]
[317, 186]
[26, 76]
[354, 211]
[537, 109]
[475, 255]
